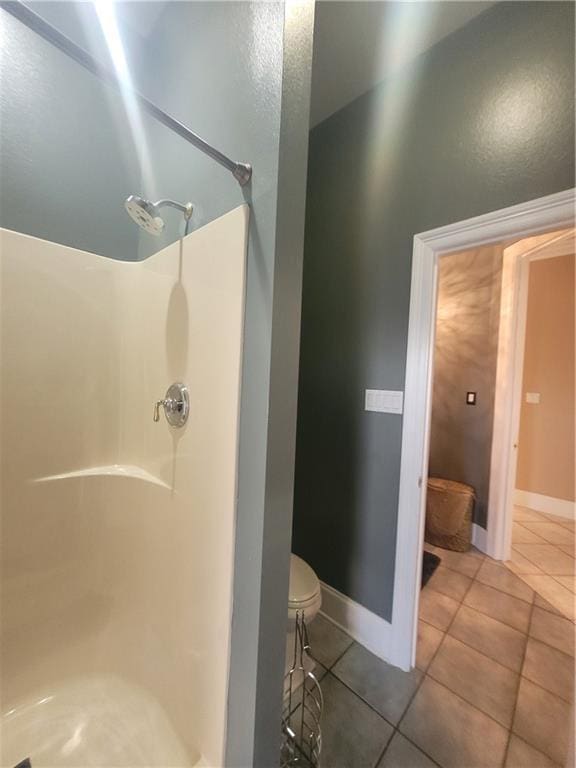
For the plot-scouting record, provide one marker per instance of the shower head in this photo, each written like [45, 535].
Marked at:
[145, 212]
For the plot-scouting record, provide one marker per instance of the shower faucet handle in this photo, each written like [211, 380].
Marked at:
[166, 403]
[176, 404]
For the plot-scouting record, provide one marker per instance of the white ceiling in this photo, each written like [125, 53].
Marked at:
[358, 44]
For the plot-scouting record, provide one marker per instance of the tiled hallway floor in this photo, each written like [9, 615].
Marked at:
[493, 683]
[543, 556]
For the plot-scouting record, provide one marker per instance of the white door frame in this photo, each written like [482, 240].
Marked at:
[546, 213]
[508, 399]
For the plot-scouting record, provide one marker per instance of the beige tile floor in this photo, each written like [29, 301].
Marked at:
[543, 557]
[492, 688]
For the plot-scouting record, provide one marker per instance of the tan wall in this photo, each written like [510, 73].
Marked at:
[546, 440]
[465, 357]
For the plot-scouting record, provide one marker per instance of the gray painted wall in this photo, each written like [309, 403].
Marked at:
[281, 449]
[69, 156]
[65, 163]
[465, 357]
[482, 121]
[217, 67]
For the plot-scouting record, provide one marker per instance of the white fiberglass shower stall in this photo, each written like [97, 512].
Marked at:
[117, 538]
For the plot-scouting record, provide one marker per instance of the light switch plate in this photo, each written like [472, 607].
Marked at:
[384, 401]
[470, 398]
[533, 398]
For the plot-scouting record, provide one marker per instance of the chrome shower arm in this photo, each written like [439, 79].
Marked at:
[186, 209]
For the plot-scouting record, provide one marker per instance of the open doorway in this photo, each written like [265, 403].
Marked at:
[484, 631]
[530, 281]
[504, 227]
[539, 540]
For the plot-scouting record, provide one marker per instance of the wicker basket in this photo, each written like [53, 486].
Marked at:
[449, 509]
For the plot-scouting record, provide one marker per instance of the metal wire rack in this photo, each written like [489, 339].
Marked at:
[303, 703]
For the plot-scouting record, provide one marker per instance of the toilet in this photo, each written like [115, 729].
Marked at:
[304, 596]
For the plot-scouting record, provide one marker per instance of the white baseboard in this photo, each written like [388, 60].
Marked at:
[548, 504]
[480, 538]
[372, 631]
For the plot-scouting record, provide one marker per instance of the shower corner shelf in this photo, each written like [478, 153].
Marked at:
[127, 471]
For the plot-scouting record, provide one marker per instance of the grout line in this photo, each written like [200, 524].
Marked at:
[490, 616]
[520, 676]
[545, 690]
[562, 575]
[551, 519]
[450, 597]
[489, 658]
[458, 695]
[381, 755]
[490, 586]
[537, 572]
[453, 570]
[470, 608]
[445, 632]
[474, 707]
[419, 748]
[362, 699]
[543, 642]
[519, 673]
[425, 672]
[481, 613]
[475, 649]
[408, 739]
[522, 600]
[521, 524]
[431, 625]
[351, 643]
[380, 715]
[499, 564]
[452, 620]
[556, 544]
[344, 652]
[554, 610]
[527, 556]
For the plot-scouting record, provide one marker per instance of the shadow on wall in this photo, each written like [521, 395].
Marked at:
[177, 325]
[465, 357]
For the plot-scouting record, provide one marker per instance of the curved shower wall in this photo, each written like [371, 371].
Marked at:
[118, 533]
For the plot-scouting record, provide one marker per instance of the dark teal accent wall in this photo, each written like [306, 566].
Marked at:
[482, 121]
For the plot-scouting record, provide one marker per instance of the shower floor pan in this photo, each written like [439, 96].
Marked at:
[97, 721]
